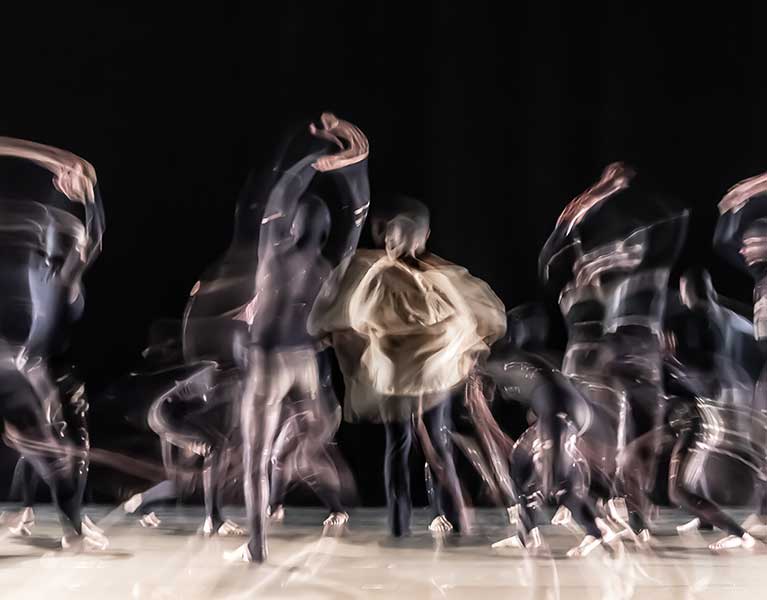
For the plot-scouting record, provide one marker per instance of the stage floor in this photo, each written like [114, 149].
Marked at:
[173, 562]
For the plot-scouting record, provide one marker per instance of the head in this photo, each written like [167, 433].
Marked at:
[696, 288]
[391, 207]
[311, 223]
[405, 236]
[527, 324]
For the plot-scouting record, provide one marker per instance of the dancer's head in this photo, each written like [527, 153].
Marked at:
[413, 217]
[695, 287]
[405, 237]
[527, 324]
[311, 223]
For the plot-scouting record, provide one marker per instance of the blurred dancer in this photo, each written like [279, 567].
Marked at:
[700, 448]
[616, 244]
[200, 418]
[52, 227]
[740, 237]
[413, 326]
[197, 414]
[192, 415]
[296, 254]
[547, 468]
[70, 421]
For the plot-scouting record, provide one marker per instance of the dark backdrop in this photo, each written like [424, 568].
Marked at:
[496, 116]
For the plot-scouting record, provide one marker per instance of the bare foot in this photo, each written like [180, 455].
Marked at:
[150, 520]
[440, 525]
[510, 542]
[241, 554]
[689, 526]
[733, 542]
[22, 523]
[336, 519]
[133, 503]
[88, 541]
[533, 542]
[230, 529]
[755, 524]
[586, 547]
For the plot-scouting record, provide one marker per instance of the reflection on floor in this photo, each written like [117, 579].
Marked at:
[172, 561]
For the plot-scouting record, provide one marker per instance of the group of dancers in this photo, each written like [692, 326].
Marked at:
[658, 400]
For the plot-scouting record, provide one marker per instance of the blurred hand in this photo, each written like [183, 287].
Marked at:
[353, 143]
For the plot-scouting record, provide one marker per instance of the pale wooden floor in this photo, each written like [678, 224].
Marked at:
[174, 562]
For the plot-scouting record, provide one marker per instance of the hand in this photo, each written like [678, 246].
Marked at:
[348, 137]
[615, 177]
[72, 176]
[739, 194]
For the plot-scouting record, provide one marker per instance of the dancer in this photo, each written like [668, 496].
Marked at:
[295, 259]
[69, 421]
[193, 416]
[417, 324]
[546, 465]
[699, 450]
[740, 238]
[53, 222]
[622, 241]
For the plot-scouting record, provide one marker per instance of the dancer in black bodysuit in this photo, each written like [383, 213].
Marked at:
[622, 241]
[200, 417]
[192, 415]
[71, 423]
[53, 225]
[709, 406]
[200, 380]
[740, 238]
[295, 259]
[546, 466]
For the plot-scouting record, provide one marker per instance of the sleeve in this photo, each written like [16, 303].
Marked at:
[486, 308]
[331, 310]
[349, 213]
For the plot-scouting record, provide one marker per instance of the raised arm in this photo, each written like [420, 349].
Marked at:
[559, 251]
[76, 179]
[292, 182]
[615, 177]
[349, 213]
[739, 194]
[348, 170]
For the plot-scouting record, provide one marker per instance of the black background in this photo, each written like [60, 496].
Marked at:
[495, 115]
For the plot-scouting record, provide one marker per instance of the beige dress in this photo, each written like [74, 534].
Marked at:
[405, 332]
